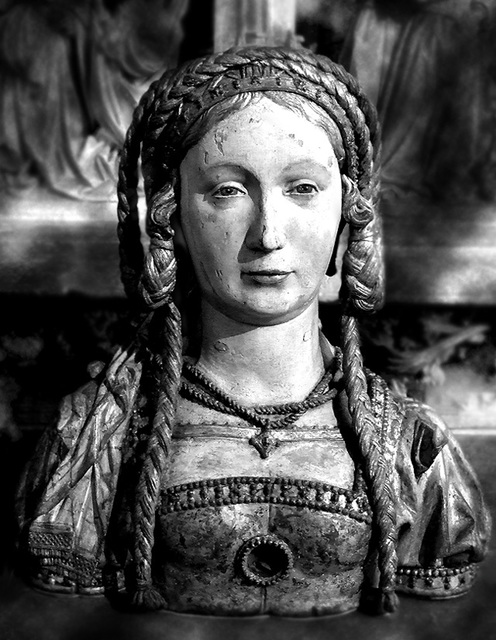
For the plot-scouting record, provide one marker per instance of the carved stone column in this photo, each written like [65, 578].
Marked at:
[254, 22]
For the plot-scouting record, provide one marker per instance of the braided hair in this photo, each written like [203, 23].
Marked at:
[167, 122]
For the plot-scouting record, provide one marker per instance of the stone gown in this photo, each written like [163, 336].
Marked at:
[237, 534]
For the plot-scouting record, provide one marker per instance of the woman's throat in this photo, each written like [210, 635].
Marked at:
[264, 364]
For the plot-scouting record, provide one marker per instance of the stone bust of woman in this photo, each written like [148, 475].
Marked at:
[254, 468]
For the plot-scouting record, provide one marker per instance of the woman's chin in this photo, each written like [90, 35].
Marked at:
[265, 314]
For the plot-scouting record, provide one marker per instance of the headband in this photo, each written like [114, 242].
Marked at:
[193, 89]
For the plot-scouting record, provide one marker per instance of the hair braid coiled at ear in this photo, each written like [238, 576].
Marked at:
[158, 278]
[128, 227]
[362, 272]
[151, 278]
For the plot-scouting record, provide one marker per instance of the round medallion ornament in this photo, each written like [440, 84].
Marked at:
[264, 560]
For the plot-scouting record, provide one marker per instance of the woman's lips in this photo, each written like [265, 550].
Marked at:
[266, 276]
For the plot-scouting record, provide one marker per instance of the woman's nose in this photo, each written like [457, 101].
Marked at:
[266, 231]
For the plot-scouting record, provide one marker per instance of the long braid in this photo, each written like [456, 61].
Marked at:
[128, 227]
[377, 473]
[151, 280]
[167, 332]
[165, 115]
[362, 291]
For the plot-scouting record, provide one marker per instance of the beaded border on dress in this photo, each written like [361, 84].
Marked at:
[436, 581]
[59, 566]
[255, 489]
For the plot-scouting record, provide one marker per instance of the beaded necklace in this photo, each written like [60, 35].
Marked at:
[197, 387]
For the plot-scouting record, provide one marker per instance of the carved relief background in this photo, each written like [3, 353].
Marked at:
[429, 66]
[71, 75]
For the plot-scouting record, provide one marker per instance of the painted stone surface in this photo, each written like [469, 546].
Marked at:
[246, 469]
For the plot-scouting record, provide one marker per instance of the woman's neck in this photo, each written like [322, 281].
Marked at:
[262, 364]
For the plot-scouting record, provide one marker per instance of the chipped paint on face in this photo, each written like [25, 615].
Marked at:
[260, 209]
[292, 136]
[220, 136]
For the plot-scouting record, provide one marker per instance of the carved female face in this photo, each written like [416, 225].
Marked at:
[260, 210]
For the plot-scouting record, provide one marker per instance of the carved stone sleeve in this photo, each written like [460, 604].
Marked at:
[68, 490]
[443, 523]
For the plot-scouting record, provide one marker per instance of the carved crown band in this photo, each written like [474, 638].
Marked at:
[248, 78]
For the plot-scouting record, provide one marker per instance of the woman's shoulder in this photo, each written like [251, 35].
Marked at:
[407, 423]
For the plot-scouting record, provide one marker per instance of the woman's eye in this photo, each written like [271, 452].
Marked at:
[303, 189]
[228, 192]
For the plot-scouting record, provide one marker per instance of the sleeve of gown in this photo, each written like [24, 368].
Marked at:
[67, 492]
[443, 523]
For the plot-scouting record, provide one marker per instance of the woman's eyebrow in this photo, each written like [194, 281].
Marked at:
[209, 176]
[309, 163]
[223, 167]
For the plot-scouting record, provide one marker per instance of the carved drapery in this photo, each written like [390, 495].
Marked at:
[70, 77]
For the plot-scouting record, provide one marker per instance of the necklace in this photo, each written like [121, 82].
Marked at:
[198, 388]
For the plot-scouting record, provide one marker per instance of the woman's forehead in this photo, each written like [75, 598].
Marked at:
[267, 131]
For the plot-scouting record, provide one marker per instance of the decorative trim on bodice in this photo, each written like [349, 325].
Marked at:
[254, 489]
[240, 430]
[438, 581]
[58, 566]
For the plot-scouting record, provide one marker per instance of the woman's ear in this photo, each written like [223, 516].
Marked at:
[176, 219]
[177, 227]
[331, 269]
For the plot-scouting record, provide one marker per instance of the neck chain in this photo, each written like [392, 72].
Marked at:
[198, 388]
